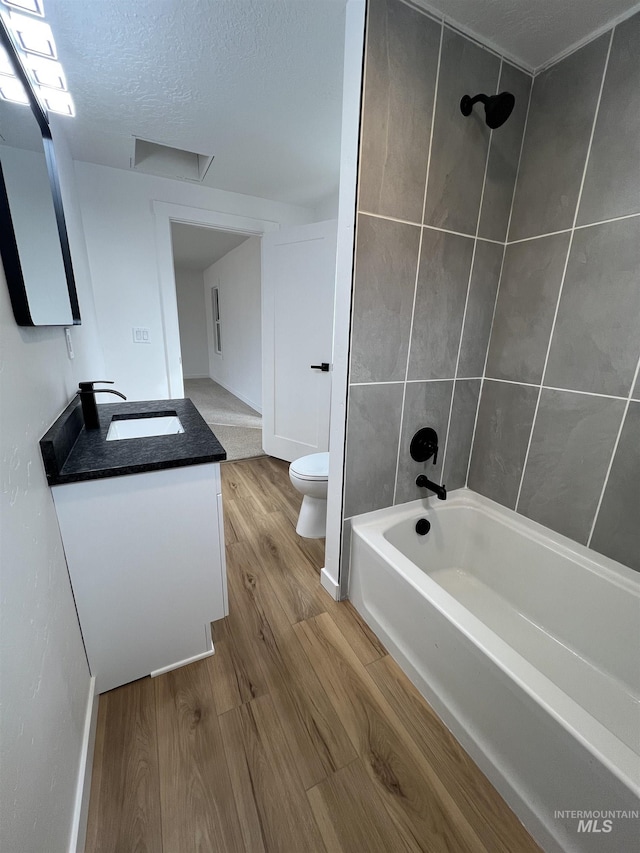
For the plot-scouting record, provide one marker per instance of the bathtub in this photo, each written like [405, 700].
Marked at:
[527, 645]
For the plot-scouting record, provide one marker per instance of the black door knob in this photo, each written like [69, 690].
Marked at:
[324, 367]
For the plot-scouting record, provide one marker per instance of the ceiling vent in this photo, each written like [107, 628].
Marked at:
[167, 162]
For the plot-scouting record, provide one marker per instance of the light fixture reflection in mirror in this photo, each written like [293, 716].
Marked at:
[33, 236]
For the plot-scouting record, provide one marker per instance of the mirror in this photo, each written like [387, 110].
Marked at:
[33, 235]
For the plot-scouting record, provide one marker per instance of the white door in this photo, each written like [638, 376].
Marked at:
[298, 291]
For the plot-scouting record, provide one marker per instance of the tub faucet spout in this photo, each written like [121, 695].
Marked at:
[423, 482]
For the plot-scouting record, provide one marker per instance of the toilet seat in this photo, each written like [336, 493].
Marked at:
[315, 466]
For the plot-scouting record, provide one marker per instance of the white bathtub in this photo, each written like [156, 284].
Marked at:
[528, 647]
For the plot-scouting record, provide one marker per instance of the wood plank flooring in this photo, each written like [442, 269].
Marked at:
[300, 735]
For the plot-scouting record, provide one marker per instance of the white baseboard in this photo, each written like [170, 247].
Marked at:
[196, 376]
[83, 785]
[331, 586]
[180, 663]
[238, 395]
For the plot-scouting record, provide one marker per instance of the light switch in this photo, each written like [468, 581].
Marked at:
[141, 335]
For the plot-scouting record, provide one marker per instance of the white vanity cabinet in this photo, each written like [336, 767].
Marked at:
[146, 558]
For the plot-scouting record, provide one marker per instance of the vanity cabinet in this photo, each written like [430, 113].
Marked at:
[142, 528]
[146, 560]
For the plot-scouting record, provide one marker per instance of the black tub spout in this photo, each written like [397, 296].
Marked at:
[423, 482]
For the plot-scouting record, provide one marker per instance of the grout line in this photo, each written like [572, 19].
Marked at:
[514, 382]
[389, 218]
[382, 382]
[425, 381]
[469, 280]
[606, 221]
[584, 393]
[613, 454]
[566, 266]
[554, 388]
[574, 228]
[431, 227]
[538, 236]
[415, 286]
[462, 234]
[495, 303]
[447, 379]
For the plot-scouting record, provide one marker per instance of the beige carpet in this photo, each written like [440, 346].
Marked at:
[237, 426]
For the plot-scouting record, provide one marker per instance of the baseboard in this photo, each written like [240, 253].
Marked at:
[196, 376]
[238, 395]
[83, 785]
[329, 584]
[180, 663]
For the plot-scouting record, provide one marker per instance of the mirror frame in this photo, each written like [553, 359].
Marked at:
[8, 244]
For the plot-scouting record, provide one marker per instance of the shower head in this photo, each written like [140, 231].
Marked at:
[497, 108]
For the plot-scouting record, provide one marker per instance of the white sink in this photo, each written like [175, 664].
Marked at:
[144, 427]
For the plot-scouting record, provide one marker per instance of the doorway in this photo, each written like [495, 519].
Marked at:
[218, 294]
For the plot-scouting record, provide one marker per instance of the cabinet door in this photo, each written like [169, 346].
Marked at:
[145, 563]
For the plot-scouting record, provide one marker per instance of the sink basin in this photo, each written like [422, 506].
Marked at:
[144, 427]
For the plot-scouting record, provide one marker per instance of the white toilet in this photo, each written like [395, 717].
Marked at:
[309, 475]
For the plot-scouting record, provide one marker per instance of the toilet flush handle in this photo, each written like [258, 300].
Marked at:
[324, 367]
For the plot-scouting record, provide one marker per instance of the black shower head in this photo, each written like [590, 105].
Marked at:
[497, 108]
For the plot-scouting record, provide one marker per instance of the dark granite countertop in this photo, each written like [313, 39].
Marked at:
[72, 454]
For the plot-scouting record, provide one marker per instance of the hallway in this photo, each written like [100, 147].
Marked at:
[299, 735]
[237, 426]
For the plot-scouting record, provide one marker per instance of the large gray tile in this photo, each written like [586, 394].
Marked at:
[426, 404]
[596, 340]
[504, 153]
[636, 391]
[563, 104]
[505, 417]
[459, 147]
[386, 264]
[445, 264]
[617, 530]
[463, 417]
[612, 184]
[480, 304]
[401, 66]
[529, 288]
[373, 431]
[571, 446]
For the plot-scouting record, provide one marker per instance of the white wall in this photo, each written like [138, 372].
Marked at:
[43, 670]
[120, 232]
[193, 323]
[239, 368]
[327, 208]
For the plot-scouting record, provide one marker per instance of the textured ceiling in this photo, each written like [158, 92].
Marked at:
[533, 32]
[257, 83]
[196, 248]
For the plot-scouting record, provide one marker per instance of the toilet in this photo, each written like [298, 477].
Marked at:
[309, 475]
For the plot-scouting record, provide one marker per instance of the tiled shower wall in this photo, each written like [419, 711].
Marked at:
[435, 195]
[558, 429]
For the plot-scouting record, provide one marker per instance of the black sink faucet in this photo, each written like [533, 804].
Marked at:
[87, 394]
[424, 483]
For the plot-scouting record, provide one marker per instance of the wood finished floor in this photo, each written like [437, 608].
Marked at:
[299, 735]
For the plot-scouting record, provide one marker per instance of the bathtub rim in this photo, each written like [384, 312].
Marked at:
[621, 760]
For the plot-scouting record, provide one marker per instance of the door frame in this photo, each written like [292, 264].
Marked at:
[333, 577]
[164, 214]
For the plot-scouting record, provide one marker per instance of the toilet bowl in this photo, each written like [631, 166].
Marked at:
[309, 475]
